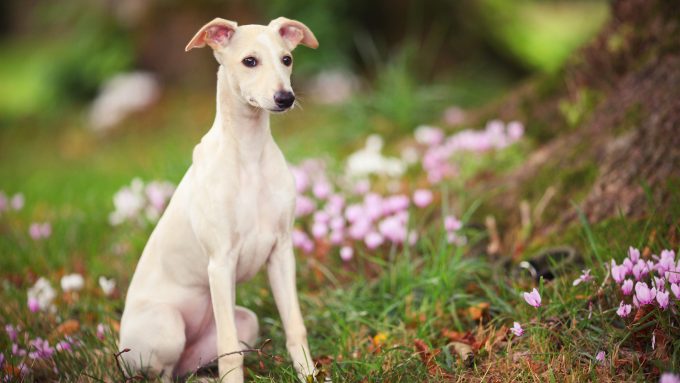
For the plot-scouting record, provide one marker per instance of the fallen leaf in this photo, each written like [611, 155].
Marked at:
[69, 327]
[465, 353]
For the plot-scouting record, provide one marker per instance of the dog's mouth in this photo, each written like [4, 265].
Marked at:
[279, 110]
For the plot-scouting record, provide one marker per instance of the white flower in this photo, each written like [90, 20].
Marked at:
[369, 160]
[42, 293]
[72, 282]
[121, 95]
[107, 285]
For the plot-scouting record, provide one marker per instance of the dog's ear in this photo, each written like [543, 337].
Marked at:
[215, 34]
[294, 32]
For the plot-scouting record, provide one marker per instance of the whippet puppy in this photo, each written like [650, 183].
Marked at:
[231, 214]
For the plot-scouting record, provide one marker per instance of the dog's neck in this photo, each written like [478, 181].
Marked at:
[244, 128]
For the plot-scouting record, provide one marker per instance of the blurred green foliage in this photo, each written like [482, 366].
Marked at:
[541, 34]
[416, 57]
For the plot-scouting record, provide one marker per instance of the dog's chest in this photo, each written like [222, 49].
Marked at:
[261, 215]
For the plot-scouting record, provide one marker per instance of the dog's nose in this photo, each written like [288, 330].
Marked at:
[284, 99]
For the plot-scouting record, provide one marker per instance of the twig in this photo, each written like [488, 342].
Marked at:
[258, 350]
[120, 368]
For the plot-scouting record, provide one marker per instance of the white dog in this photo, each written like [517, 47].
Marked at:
[231, 213]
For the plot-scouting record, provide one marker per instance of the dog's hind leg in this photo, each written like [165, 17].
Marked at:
[156, 339]
[203, 351]
[247, 326]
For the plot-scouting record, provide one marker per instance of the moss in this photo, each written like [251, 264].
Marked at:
[576, 111]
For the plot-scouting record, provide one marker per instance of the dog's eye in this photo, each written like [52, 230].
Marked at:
[287, 60]
[250, 62]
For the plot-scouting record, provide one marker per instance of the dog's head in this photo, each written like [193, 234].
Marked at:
[257, 59]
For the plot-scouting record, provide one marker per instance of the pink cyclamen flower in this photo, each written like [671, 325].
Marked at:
[624, 310]
[63, 346]
[39, 231]
[618, 272]
[668, 377]
[41, 349]
[346, 253]
[533, 298]
[627, 287]
[452, 223]
[303, 206]
[675, 288]
[17, 202]
[322, 190]
[12, 332]
[600, 356]
[319, 230]
[373, 240]
[666, 261]
[100, 331]
[662, 299]
[33, 305]
[633, 254]
[584, 278]
[640, 269]
[517, 329]
[422, 197]
[644, 294]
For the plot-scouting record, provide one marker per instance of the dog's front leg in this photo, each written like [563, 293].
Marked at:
[222, 279]
[281, 271]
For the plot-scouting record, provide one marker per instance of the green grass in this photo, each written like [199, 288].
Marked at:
[364, 317]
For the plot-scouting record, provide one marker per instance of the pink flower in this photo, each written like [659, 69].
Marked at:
[33, 305]
[11, 332]
[100, 331]
[393, 228]
[600, 356]
[584, 278]
[39, 231]
[533, 298]
[428, 135]
[618, 272]
[668, 377]
[395, 203]
[354, 212]
[515, 130]
[624, 310]
[301, 179]
[302, 241]
[42, 349]
[373, 240]
[346, 253]
[675, 288]
[322, 190]
[666, 262]
[360, 228]
[63, 346]
[303, 206]
[640, 269]
[644, 294]
[18, 351]
[17, 202]
[517, 329]
[319, 230]
[451, 223]
[662, 299]
[422, 197]
[627, 287]
[673, 275]
[633, 254]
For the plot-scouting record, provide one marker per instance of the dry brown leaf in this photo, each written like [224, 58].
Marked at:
[69, 327]
[428, 358]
